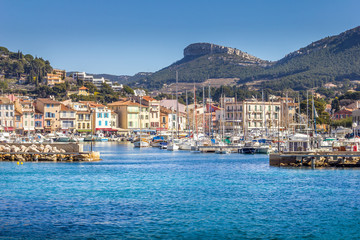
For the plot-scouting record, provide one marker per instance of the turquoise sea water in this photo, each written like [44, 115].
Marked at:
[158, 194]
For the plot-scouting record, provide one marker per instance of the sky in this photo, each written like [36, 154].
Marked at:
[127, 37]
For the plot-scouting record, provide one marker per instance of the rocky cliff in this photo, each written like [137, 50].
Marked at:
[199, 49]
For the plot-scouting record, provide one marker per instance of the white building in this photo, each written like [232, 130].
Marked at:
[7, 113]
[101, 117]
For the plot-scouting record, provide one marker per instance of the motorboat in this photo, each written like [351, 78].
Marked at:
[248, 148]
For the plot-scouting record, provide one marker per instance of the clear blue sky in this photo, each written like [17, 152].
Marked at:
[126, 37]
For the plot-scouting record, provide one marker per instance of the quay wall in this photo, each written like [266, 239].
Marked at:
[315, 159]
[68, 147]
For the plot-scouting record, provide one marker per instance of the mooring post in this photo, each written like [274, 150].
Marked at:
[313, 162]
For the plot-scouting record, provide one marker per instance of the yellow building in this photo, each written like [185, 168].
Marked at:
[53, 79]
[84, 91]
[128, 114]
[56, 77]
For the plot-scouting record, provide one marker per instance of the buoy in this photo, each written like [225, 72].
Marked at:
[21, 163]
[18, 163]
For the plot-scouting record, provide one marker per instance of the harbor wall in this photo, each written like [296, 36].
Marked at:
[315, 159]
[68, 147]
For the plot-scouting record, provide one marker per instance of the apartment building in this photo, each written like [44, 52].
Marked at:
[67, 119]
[7, 114]
[51, 113]
[101, 117]
[154, 110]
[129, 114]
[24, 115]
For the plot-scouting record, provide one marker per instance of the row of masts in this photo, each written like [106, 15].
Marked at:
[209, 129]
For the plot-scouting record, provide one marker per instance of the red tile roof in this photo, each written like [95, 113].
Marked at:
[66, 109]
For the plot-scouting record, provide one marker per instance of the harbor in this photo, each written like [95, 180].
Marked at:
[175, 194]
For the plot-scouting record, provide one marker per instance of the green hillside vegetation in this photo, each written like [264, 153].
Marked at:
[15, 64]
[331, 59]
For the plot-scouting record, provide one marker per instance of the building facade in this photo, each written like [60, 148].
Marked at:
[51, 113]
[7, 114]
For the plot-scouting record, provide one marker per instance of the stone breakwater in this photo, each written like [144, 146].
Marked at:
[321, 159]
[46, 152]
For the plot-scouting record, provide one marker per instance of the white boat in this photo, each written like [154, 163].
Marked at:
[140, 144]
[173, 145]
[186, 145]
[222, 151]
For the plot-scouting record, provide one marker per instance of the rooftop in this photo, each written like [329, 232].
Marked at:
[47, 101]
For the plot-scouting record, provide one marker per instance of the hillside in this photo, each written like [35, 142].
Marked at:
[330, 59]
[16, 65]
[202, 61]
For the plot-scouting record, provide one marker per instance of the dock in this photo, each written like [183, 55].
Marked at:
[315, 159]
[212, 149]
[57, 152]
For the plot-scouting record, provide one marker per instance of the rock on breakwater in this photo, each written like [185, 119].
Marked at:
[47, 152]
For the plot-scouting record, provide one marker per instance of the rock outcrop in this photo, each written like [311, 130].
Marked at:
[198, 49]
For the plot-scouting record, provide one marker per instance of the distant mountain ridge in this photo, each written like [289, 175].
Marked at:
[334, 58]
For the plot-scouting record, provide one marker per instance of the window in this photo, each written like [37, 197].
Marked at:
[32, 123]
[130, 124]
[105, 115]
[17, 118]
[88, 125]
[25, 123]
[106, 123]
[48, 123]
[99, 123]
[47, 105]
[79, 125]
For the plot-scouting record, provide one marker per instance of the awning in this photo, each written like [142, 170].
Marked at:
[8, 129]
[83, 130]
[106, 129]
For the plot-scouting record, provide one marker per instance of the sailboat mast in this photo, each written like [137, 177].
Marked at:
[196, 127]
[263, 110]
[177, 106]
[187, 112]
[210, 111]
[203, 124]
